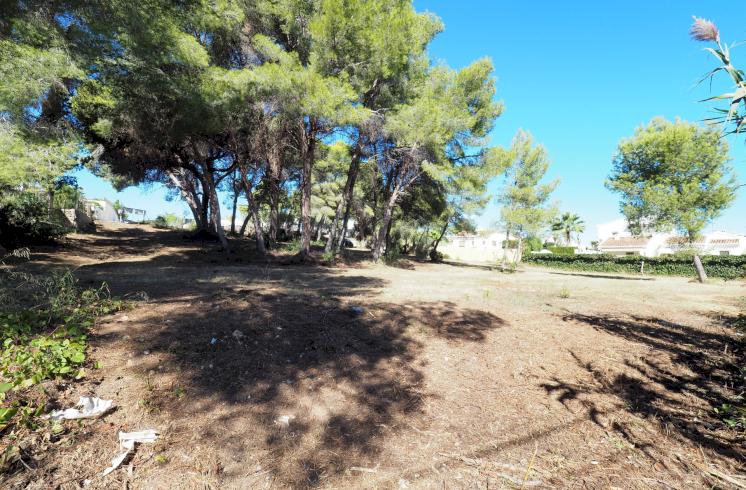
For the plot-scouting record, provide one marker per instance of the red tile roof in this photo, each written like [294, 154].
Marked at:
[625, 242]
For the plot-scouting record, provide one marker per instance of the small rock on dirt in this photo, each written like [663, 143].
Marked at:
[357, 310]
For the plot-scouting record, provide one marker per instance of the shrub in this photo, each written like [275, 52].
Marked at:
[729, 267]
[168, 220]
[44, 321]
[562, 250]
[24, 221]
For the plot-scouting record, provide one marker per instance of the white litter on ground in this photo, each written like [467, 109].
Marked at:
[90, 407]
[284, 420]
[127, 441]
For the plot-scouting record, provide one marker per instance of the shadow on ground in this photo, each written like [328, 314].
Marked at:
[687, 374]
[602, 276]
[251, 344]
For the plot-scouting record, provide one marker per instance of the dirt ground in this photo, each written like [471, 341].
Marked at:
[452, 376]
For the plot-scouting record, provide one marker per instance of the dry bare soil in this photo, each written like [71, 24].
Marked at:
[452, 377]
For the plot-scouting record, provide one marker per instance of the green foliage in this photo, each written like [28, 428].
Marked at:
[532, 243]
[168, 220]
[731, 267]
[567, 225]
[24, 220]
[562, 250]
[733, 115]
[525, 201]
[733, 414]
[672, 175]
[33, 159]
[44, 322]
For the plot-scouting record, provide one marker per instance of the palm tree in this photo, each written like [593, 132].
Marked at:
[567, 224]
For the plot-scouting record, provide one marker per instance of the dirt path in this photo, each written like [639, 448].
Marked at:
[452, 377]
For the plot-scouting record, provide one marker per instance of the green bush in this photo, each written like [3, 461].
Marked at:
[44, 322]
[729, 267]
[168, 220]
[562, 250]
[24, 221]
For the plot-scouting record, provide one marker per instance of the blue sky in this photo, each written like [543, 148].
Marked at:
[579, 75]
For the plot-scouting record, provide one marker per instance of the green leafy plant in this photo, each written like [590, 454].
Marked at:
[733, 414]
[44, 320]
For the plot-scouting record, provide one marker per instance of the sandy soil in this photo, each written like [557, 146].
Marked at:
[452, 376]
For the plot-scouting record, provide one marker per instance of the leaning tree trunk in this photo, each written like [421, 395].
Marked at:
[190, 196]
[701, 274]
[434, 251]
[254, 213]
[245, 223]
[215, 209]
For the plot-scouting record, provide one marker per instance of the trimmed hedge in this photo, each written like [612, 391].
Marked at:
[725, 267]
[562, 250]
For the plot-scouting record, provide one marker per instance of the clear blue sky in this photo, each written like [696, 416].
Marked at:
[579, 75]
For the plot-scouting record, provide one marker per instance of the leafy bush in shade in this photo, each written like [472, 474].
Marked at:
[730, 267]
[24, 221]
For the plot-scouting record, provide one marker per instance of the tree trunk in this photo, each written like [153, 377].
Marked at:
[701, 274]
[236, 191]
[434, 251]
[273, 181]
[319, 228]
[519, 251]
[207, 225]
[254, 212]
[308, 153]
[211, 191]
[337, 235]
[245, 223]
[189, 194]
[506, 246]
[384, 226]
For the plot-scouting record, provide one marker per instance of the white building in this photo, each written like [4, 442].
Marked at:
[482, 247]
[101, 210]
[616, 239]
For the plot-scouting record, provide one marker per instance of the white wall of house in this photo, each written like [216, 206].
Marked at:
[477, 248]
[102, 210]
[615, 238]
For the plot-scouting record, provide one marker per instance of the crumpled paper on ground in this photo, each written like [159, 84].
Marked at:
[127, 441]
[90, 407]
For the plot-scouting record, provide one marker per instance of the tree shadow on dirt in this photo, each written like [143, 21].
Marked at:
[250, 345]
[686, 375]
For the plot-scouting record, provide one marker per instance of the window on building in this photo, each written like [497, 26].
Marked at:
[631, 253]
[725, 252]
